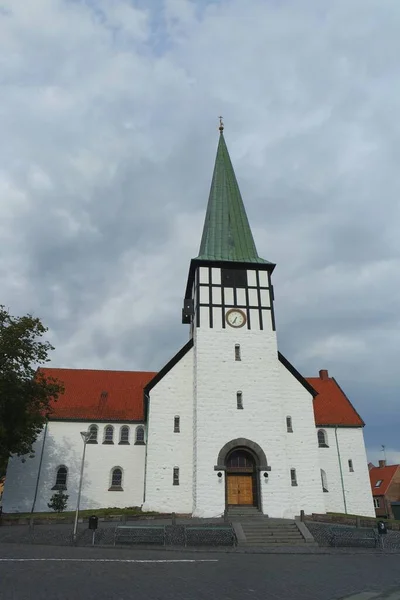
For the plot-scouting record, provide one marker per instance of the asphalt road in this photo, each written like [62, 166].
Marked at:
[53, 573]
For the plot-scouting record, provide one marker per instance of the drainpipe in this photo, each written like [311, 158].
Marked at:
[341, 472]
[147, 416]
[145, 473]
[40, 468]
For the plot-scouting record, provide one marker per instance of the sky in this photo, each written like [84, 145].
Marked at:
[109, 128]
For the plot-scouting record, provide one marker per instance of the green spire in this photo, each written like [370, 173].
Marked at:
[226, 235]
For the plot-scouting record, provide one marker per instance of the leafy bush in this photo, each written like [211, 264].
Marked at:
[58, 502]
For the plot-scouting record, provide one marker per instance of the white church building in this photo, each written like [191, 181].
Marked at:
[227, 421]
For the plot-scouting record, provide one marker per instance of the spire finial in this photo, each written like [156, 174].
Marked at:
[221, 125]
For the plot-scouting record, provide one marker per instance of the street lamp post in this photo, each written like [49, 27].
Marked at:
[85, 436]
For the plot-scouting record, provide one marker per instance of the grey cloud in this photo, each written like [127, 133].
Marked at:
[109, 136]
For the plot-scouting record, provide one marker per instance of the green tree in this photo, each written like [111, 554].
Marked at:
[26, 394]
[58, 501]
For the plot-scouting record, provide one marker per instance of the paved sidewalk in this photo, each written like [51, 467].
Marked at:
[61, 535]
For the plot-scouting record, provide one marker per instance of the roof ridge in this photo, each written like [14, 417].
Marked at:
[96, 370]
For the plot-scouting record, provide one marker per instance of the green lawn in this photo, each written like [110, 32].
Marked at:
[100, 512]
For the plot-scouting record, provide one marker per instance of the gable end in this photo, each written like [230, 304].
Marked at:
[170, 364]
[297, 375]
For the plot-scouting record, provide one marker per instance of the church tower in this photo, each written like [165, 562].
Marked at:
[229, 395]
[229, 304]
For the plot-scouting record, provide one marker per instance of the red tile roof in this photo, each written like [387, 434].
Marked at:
[384, 474]
[331, 405]
[83, 398]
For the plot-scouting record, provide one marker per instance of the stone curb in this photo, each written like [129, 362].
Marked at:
[305, 550]
[293, 550]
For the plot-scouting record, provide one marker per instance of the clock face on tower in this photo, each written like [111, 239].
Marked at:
[235, 317]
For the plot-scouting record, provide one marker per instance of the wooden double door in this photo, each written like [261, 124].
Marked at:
[240, 489]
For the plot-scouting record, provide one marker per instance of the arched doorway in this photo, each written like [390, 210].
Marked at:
[241, 478]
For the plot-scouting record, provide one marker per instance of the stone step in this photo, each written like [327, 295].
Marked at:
[273, 535]
[243, 507]
[259, 543]
[252, 514]
[245, 511]
[256, 541]
[269, 530]
[266, 525]
[273, 540]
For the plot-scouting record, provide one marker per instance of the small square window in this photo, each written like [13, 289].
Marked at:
[293, 476]
[289, 425]
[237, 352]
[177, 425]
[176, 476]
[379, 483]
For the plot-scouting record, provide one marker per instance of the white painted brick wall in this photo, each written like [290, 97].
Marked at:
[173, 395]
[64, 446]
[301, 448]
[217, 379]
[357, 486]
[270, 393]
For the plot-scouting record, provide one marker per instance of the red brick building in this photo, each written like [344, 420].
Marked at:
[385, 484]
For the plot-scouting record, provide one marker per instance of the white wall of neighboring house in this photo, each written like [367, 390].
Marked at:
[347, 491]
[64, 446]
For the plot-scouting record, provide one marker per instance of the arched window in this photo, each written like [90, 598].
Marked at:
[93, 430]
[322, 439]
[108, 435]
[61, 478]
[116, 479]
[124, 435]
[139, 435]
[240, 460]
[324, 481]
